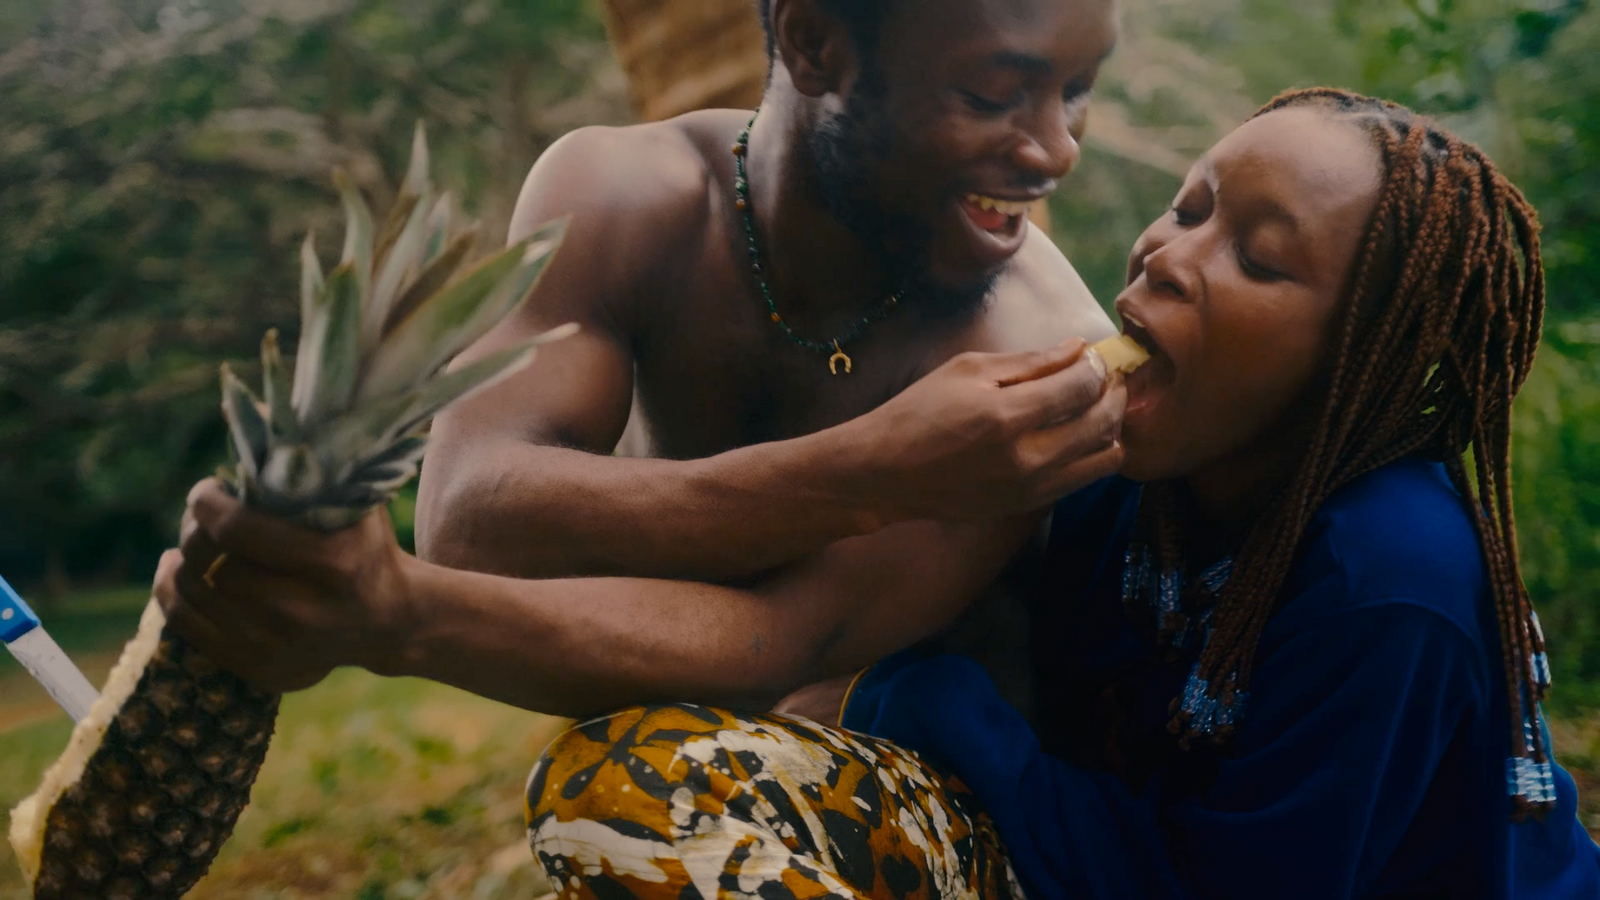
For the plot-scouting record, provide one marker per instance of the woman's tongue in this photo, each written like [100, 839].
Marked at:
[1150, 381]
[988, 219]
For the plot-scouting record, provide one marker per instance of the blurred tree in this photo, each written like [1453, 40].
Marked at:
[683, 56]
[160, 163]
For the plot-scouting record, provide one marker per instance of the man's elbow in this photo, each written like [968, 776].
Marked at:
[797, 646]
[442, 526]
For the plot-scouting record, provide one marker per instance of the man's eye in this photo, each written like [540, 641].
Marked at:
[985, 105]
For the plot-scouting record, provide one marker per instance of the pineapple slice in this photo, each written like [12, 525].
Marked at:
[155, 776]
[1121, 354]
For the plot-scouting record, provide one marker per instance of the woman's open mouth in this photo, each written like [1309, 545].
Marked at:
[1150, 382]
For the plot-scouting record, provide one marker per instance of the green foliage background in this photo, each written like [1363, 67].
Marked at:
[160, 161]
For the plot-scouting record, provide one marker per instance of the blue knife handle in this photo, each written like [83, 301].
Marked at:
[16, 619]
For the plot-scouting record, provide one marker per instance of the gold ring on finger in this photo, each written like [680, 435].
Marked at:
[211, 573]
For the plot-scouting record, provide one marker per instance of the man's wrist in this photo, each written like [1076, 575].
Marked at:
[856, 476]
[835, 468]
[399, 632]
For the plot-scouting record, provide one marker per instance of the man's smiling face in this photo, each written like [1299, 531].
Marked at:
[960, 115]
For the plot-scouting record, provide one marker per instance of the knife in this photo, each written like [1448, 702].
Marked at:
[42, 656]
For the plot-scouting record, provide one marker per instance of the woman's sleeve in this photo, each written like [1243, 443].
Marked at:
[1348, 719]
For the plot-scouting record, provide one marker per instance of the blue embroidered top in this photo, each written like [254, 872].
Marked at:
[1370, 762]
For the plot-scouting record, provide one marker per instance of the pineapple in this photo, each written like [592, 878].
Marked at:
[156, 775]
[1122, 354]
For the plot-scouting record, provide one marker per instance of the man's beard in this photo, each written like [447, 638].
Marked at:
[841, 148]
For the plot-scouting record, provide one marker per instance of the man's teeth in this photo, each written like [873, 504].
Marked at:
[1005, 207]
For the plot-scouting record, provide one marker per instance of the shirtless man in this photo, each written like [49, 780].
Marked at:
[818, 538]
[872, 169]
[815, 521]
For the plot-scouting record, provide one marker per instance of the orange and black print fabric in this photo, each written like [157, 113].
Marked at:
[681, 802]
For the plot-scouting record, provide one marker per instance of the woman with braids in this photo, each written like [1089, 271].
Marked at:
[1287, 653]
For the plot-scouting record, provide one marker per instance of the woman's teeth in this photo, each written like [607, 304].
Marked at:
[1140, 334]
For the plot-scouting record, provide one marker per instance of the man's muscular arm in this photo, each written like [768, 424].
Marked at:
[985, 433]
[520, 480]
[290, 605]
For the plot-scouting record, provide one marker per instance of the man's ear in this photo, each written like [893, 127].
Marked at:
[813, 46]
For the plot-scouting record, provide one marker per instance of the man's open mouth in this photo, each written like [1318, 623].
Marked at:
[996, 216]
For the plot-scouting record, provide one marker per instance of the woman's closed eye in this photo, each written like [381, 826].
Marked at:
[1256, 270]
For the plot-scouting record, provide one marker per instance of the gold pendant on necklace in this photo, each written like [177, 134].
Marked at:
[838, 357]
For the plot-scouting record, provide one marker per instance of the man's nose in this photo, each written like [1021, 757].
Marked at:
[1048, 148]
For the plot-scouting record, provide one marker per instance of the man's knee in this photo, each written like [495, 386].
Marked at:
[619, 766]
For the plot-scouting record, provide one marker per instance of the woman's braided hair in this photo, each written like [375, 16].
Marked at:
[1440, 333]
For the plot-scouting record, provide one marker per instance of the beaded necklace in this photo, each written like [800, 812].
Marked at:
[835, 347]
[1182, 609]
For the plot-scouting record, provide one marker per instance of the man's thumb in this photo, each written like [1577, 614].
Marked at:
[1017, 368]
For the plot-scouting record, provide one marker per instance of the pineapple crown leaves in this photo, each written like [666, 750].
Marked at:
[346, 431]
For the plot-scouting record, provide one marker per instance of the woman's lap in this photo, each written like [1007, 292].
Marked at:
[683, 801]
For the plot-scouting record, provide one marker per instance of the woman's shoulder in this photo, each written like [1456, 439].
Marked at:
[1400, 534]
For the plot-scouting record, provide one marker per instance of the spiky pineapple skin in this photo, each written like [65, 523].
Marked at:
[161, 795]
[157, 774]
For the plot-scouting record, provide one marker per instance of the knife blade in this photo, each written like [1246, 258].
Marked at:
[44, 659]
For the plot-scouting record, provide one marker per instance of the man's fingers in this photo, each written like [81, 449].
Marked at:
[1079, 474]
[1090, 432]
[197, 548]
[263, 539]
[1059, 397]
[1017, 368]
[167, 568]
[187, 621]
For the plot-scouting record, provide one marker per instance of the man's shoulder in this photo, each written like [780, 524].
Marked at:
[1041, 301]
[635, 176]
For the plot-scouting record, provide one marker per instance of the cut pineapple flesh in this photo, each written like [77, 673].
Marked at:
[155, 777]
[153, 780]
[1121, 354]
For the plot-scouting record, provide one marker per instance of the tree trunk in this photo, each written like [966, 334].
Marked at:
[684, 55]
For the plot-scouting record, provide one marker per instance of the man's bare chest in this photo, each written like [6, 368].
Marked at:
[713, 372]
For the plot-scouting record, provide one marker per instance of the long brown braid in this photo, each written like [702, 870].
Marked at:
[1440, 333]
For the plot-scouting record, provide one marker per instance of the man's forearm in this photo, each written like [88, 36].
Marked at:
[580, 647]
[539, 512]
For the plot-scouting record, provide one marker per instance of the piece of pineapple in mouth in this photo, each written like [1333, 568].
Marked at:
[1121, 353]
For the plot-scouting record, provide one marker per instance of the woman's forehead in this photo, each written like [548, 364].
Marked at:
[1302, 164]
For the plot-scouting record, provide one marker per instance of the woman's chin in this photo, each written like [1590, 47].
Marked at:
[1147, 457]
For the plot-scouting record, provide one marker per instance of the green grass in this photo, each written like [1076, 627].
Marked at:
[391, 789]
[381, 789]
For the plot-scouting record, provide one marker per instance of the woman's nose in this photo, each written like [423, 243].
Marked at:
[1167, 272]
